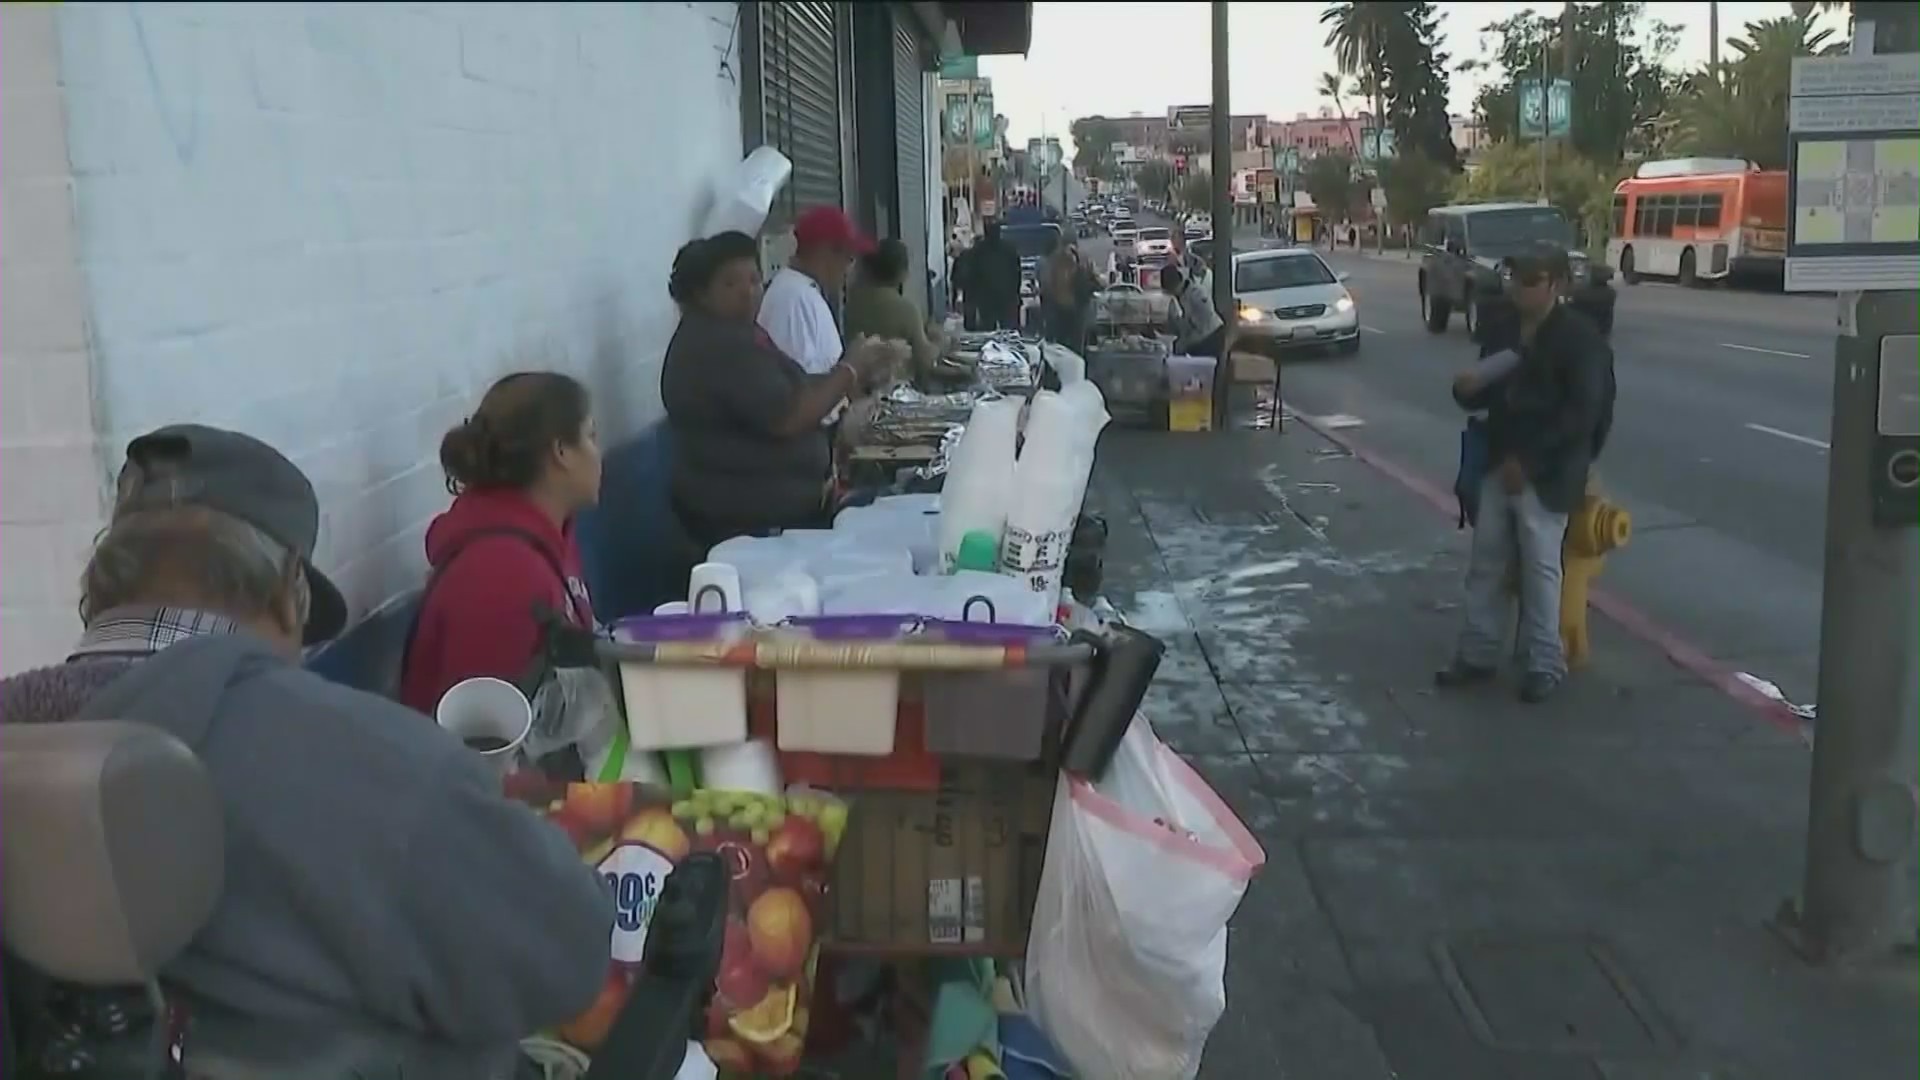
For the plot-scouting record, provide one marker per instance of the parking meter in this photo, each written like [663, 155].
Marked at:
[1895, 461]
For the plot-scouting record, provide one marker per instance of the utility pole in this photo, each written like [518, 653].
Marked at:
[1220, 126]
[1546, 110]
[1713, 39]
[1857, 901]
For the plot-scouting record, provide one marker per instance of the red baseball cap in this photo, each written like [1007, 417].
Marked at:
[829, 226]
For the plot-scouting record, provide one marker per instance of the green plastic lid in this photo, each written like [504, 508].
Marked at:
[979, 550]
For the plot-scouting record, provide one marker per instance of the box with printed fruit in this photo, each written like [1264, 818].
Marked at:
[777, 850]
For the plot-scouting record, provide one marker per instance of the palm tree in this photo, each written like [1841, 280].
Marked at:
[1357, 34]
[1333, 86]
[1742, 112]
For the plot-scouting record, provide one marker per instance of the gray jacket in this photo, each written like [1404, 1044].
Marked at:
[380, 891]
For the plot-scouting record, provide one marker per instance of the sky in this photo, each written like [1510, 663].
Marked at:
[1115, 59]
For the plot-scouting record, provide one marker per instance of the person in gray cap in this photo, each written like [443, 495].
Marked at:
[387, 911]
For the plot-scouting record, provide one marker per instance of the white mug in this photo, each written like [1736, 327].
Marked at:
[490, 715]
[672, 607]
[714, 588]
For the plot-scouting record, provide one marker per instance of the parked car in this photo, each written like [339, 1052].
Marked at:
[1466, 260]
[1289, 298]
[1123, 305]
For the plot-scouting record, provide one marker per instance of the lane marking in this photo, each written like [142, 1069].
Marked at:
[1804, 440]
[1769, 352]
[1371, 329]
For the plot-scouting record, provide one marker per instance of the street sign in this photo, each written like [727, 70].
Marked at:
[1289, 160]
[1558, 109]
[1376, 144]
[1853, 187]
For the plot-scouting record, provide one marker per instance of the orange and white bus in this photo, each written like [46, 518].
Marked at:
[1699, 219]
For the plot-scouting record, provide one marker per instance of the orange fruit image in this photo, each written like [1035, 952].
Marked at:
[781, 931]
[657, 829]
[769, 1020]
[732, 1058]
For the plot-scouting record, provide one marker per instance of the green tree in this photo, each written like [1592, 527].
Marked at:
[1620, 81]
[1743, 113]
[1414, 184]
[1329, 179]
[1155, 179]
[1583, 190]
[1415, 91]
[1093, 139]
[1195, 190]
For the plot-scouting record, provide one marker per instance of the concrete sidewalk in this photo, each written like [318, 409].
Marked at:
[1460, 887]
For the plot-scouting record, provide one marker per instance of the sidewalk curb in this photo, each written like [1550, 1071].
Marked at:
[1677, 649]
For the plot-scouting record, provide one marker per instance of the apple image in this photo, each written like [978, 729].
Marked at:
[588, 1030]
[781, 931]
[656, 829]
[740, 982]
[731, 1057]
[797, 846]
[577, 831]
[601, 807]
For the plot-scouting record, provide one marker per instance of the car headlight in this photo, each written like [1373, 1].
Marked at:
[1251, 314]
[1344, 304]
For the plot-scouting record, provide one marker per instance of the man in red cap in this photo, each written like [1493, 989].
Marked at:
[795, 312]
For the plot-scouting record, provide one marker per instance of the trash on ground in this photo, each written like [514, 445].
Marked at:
[1772, 690]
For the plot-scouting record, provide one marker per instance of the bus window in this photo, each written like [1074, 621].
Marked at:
[1663, 209]
[1619, 215]
[1643, 215]
[1687, 211]
[1710, 211]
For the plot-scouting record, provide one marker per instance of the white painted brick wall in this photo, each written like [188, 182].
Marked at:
[333, 225]
[50, 496]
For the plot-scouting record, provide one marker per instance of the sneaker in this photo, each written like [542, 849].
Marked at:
[1461, 673]
[1538, 686]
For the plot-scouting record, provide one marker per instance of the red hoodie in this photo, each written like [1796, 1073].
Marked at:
[478, 618]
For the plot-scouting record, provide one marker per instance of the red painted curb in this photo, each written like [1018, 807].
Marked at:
[1680, 652]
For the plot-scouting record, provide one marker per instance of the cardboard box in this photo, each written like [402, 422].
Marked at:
[955, 870]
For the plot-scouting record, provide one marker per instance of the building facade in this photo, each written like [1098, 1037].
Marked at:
[332, 226]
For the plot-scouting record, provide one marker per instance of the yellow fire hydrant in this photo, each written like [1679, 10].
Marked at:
[1595, 528]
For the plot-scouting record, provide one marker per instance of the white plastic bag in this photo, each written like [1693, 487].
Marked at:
[1128, 955]
[742, 199]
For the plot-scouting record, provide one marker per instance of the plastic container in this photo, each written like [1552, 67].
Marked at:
[1190, 393]
[841, 712]
[996, 714]
[672, 708]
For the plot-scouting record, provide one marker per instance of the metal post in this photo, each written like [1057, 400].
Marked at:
[1858, 895]
[1221, 126]
[1546, 118]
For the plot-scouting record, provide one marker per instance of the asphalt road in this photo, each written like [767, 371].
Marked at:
[1718, 448]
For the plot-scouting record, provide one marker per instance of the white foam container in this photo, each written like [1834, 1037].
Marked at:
[675, 708]
[838, 712]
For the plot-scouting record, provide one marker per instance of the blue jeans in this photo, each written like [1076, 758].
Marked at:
[1511, 525]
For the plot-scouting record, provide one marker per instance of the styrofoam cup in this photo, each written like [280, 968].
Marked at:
[490, 715]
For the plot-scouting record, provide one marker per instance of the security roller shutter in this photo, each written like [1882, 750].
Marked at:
[910, 156]
[800, 95]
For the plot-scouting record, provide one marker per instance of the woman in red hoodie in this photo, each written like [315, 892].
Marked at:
[519, 469]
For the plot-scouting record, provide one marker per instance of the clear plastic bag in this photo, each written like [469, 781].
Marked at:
[572, 707]
[1127, 960]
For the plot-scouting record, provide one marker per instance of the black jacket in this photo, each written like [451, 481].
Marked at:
[1554, 410]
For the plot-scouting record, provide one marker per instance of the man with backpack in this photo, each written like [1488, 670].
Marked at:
[1548, 413]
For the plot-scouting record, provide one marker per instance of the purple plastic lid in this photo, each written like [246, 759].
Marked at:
[858, 627]
[643, 629]
[986, 633]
